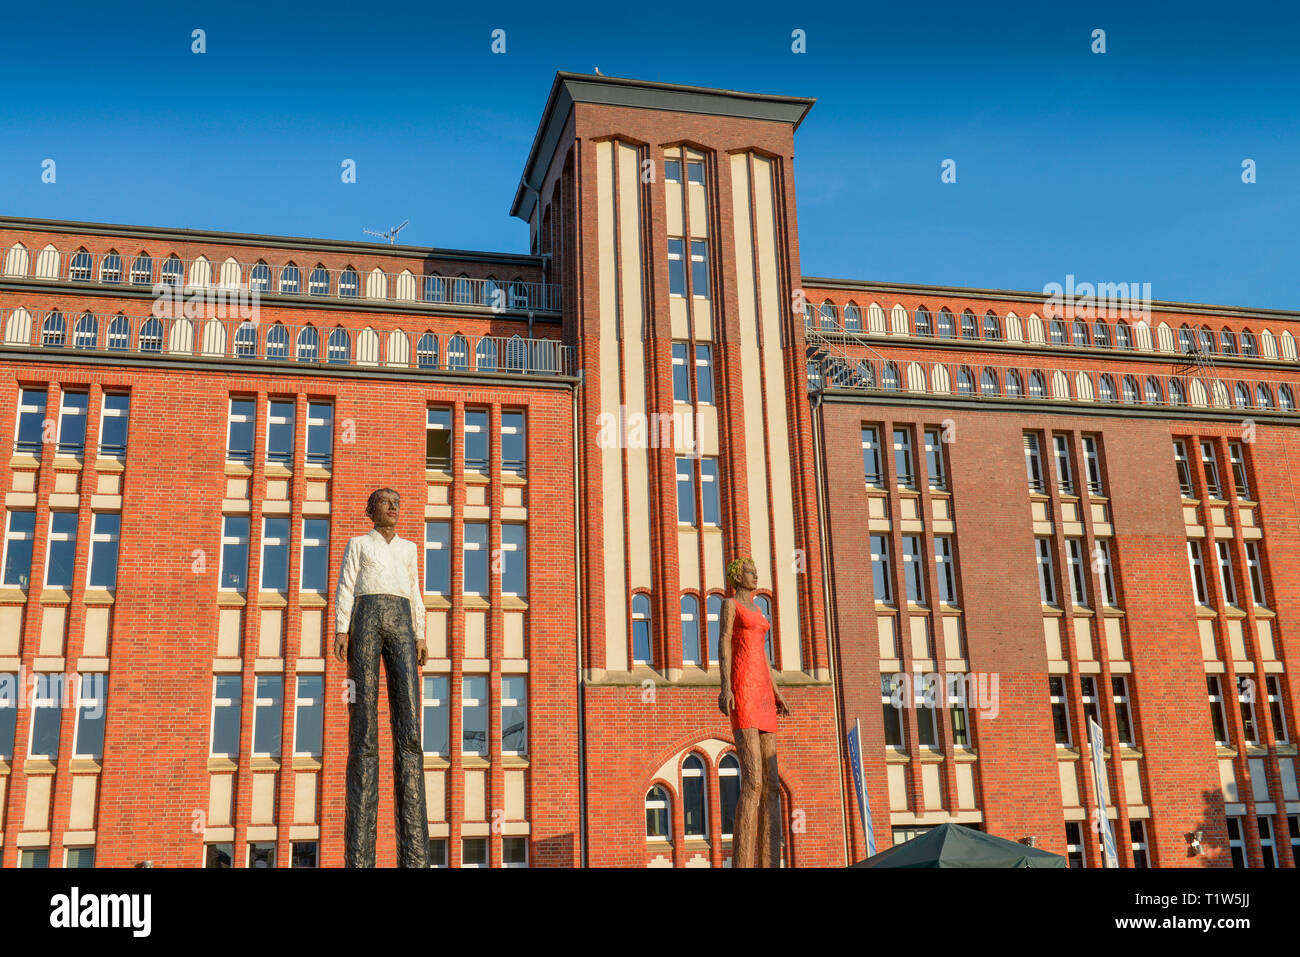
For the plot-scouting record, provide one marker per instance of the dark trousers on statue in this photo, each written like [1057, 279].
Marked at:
[381, 626]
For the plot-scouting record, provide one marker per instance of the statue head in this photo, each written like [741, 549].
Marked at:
[742, 573]
[382, 507]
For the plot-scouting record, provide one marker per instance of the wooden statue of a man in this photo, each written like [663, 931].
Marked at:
[379, 605]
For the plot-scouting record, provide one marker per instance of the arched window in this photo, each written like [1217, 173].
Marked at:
[259, 277]
[516, 354]
[308, 344]
[79, 266]
[1106, 389]
[1100, 335]
[922, 321]
[989, 383]
[1207, 339]
[828, 316]
[1153, 393]
[338, 346]
[86, 334]
[965, 381]
[151, 336]
[318, 283]
[814, 377]
[1247, 343]
[866, 375]
[426, 351]
[728, 791]
[289, 280]
[713, 618]
[349, 285]
[690, 630]
[173, 271]
[53, 330]
[1080, 332]
[1177, 395]
[992, 326]
[490, 290]
[1058, 332]
[485, 355]
[142, 270]
[518, 295]
[968, 328]
[457, 353]
[1130, 388]
[656, 814]
[1123, 338]
[947, 328]
[246, 339]
[119, 334]
[1285, 400]
[435, 288]
[889, 379]
[464, 289]
[1185, 343]
[694, 798]
[277, 342]
[1228, 342]
[1242, 396]
[1037, 385]
[852, 318]
[1263, 396]
[640, 628]
[764, 604]
[1013, 383]
[110, 270]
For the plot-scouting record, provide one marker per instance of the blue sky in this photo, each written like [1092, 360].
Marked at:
[1122, 166]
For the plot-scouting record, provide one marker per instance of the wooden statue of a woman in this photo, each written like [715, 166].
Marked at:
[750, 699]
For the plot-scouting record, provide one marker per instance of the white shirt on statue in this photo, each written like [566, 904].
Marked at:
[373, 566]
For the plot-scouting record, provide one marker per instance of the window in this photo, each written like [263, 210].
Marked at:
[268, 708]
[308, 344]
[1237, 457]
[1057, 332]
[1256, 573]
[1078, 585]
[934, 460]
[1137, 833]
[1184, 471]
[695, 171]
[436, 734]
[957, 684]
[437, 558]
[61, 550]
[53, 330]
[514, 852]
[681, 373]
[275, 554]
[922, 322]
[80, 857]
[710, 505]
[19, 538]
[1123, 716]
[104, 530]
[1227, 580]
[1218, 716]
[892, 711]
[1267, 846]
[72, 423]
[514, 714]
[1130, 389]
[1273, 691]
[113, 425]
[944, 569]
[965, 381]
[1263, 396]
[1177, 394]
[142, 270]
[234, 553]
[853, 319]
[656, 814]
[348, 285]
[320, 433]
[1153, 393]
[31, 422]
[227, 690]
[277, 342]
[337, 347]
[476, 559]
[903, 469]
[989, 383]
[1061, 451]
[85, 335]
[1246, 701]
[685, 490]
[889, 377]
[1198, 573]
[704, 374]
[47, 715]
[1037, 385]
[945, 324]
[219, 855]
[1079, 331]
[700, 268]
[728, 792]
[640, 628]
[968, 329]
[35, 857]
[764, 605]
[279, 432]
[474, 714]
[1088, 698]
[308, 717]
[1211, 463]
[1236, 843]
[1074, 844]
[871, 456]
[881, 577]
[927, 734]
[239, 432]
[88, 738]
[913, 569]
[1101, 559]
[261, 854]
[1106, 389]
[672, 171]
[289, 279]
[1092, 463]
[1033, 462]
[514, 559]
[676, 268]
[1046, 587]
[713, 620]
[992, 327]
[426, 351]
[694, 798]
[435, 288]
[1241, 396]
[304, 854]
[1012, 380]
[1060, 711]
[1285, 400]
[437, 440]
[1247, 343]
[690, 606]
[318, 283]
[473, 852]
[476, 440]
[259, 278]
[315, 554]
[9, 694]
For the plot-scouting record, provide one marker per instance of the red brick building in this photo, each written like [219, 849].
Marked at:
[592, 430]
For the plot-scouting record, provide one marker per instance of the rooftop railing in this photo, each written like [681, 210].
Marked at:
[290, 279]
[286, 342]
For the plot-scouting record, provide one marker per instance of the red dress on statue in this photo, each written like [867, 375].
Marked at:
[751, 677]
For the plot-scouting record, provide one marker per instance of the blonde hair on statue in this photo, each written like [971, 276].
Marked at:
[734, 567]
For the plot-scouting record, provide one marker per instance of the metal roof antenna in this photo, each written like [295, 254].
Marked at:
[391, 235]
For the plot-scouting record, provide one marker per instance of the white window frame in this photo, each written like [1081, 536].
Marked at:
[681, 362]
[1121, 700]
[98, 682]
[466, 703]
[1246, 700]
[1139, 847]
[67, 412]
[469, 546]
[1196, 562]
[700, 772]
[1105, 572]
[11, 536]
[232, 418]
[301, 704]
[269, 542]
[430, 702]
[1033, 462]
[1078, 580]
[106, 413]
[904, 446]
[96, 536]
[871, 444]
[232, 540]
[1061, 453]
[1227, 578]
[1046, 580]
[302, 554]
[1276, 707]
[513, 703]
[432, 544]
[49, 699]
[1184, 469]
[1239, 843]
[659, 805]
[915, 575]
[1062, 700]
[273, 419]
[1267, 844]
[259, 703]
[1255, 572]
[25, 408]
[945, 569]
[1238, 460]
[234, 703]
[1210, 462]
[316, 422]
[1217, 704]
[936, 477]
[60, 537]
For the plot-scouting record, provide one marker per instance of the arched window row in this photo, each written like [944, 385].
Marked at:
[697, 778]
